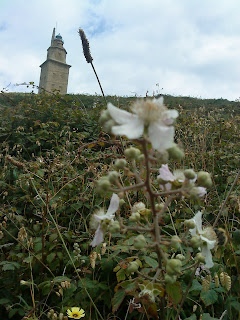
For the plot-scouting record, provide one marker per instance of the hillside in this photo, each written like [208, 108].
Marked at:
[53, 152]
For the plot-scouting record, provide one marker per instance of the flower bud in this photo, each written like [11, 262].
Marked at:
[120, 164]
[135, 216]
[189, 174]
[204, 179]
[170, 279]
[103, 184]
[190, 224]
[205, 285]
[132, 267]
[164, 157]
[132, 153]
[61, 316]
[145, 212]
[139, 242]
[114, 227]
[138, 206]
[104, 248]
[176, 153]
[51, 312]
[196, 192]
[175, 242]
[200, 258]
[121, 202]
[173, 266]
[196, 241]
[180, 257]
[159, 206]
[216, 280]
[104, 116]
[113, 176]
[141, 158]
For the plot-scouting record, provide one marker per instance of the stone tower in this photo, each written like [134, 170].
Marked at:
[55, 70]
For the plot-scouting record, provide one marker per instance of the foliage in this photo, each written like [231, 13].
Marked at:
[53, 151]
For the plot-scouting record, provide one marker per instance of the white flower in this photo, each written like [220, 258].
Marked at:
[166, 175]
[148, 114]
[207, 235]
[110, 214]
[138, 206]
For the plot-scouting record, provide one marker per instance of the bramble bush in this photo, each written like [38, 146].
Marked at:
[167, 244]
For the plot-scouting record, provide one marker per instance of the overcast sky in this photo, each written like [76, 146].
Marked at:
[186, 47]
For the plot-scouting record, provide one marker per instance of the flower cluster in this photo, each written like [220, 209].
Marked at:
[166, 249]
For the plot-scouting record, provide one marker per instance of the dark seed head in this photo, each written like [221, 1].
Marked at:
[85, 45]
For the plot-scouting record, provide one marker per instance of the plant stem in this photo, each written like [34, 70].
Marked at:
[186, 292]
[98, 81]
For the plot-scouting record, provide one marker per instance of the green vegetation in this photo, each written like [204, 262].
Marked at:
[53, 151]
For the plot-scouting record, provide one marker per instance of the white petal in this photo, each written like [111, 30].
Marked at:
[161, 136]
[132, 130]
[165, 173]
[193, 180]
[98, 218]
[169, 116]
[209, 243]
[201, 191]
[208, 257]
[120, 116]
[114, 205]
[98, 237]
[158, 101]
[198, 221]
[166, 187]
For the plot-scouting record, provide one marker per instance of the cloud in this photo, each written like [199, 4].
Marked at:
[188, 47]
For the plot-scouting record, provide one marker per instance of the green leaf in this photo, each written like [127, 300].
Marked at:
[53, 237]
[193, 317]
[51, 257]
[196, 286]
[206, 316]
[61, 278]
[151, 262]
[38, 246]
[4, 301]
[118, 299]
[88, 283]
[209, 297]
[121, 275]
[236, 305]
[7, 265]
[174, 291]
[77, 206]
[12, 312]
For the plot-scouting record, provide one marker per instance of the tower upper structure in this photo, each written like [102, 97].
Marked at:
[55, 70]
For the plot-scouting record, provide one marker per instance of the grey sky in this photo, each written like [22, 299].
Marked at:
[188, 47]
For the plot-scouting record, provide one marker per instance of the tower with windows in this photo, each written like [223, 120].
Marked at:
[55, 70]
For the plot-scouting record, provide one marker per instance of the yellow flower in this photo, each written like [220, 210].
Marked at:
[76, 313]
